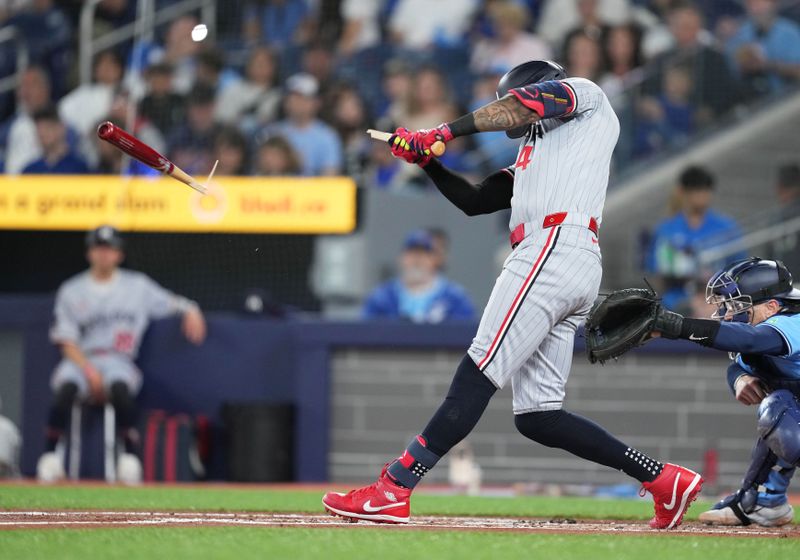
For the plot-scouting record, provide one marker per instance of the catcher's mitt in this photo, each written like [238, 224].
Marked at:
[620, 322]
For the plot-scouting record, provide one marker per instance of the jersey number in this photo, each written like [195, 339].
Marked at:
[524, 158]
[123, 342]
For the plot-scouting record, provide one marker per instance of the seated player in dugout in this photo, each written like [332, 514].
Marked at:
[567, 130]
[420, 293]
[758, 322]
[101, 315]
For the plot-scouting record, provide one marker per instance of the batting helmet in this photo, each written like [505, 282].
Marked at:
[104, 235]
[525, 74]
[736, 288]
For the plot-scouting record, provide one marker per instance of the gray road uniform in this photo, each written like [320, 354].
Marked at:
[552, 277]
[107, 322]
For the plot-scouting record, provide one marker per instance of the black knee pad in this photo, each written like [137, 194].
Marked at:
[65, 396]
[538, 426]
[62, 404]
[124, 404]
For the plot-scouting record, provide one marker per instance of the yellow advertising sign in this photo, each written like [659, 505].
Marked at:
[233, 205]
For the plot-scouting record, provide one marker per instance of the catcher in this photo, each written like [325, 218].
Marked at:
[758, 322]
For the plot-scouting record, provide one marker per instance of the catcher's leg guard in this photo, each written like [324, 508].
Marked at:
[744, 501]
[779, 425]
[776, 486]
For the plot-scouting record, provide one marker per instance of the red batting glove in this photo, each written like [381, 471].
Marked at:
[401, 145]
[422, 140]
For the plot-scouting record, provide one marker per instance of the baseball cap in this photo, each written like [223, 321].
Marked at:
[418, 239]
[303, 83]
[104, 235]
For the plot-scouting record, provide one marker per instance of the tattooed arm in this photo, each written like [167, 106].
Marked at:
[504, 114]
[519, 108]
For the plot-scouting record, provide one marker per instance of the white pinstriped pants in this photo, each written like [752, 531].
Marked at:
[527, 332]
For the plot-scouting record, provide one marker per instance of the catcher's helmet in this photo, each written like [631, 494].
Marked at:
[524, 74]
[736, 288]
[104, 235]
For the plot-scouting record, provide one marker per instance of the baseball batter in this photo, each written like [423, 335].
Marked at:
[556, 190]
[100, 318]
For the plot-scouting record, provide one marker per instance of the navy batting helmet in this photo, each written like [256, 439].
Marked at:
[736, 288]
[525, 74]
[104, 235]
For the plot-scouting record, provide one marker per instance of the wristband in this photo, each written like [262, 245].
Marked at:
[701, 331]
[463, 126]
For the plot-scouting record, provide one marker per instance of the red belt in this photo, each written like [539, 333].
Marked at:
[552, 220]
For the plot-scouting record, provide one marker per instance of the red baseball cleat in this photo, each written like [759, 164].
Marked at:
[383, 501]
[673, 491]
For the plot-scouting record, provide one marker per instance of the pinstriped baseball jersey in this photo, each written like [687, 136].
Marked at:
[111, 317]
[563, 164]
[550, 280]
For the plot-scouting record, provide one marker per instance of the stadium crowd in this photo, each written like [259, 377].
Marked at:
[288, 86]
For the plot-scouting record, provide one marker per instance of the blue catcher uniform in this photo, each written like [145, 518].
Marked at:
[770, 351]
[775, 371]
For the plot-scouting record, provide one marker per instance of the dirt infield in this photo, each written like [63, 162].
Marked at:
[104, 519]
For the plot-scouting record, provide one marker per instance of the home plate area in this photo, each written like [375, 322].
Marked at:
[102, 519]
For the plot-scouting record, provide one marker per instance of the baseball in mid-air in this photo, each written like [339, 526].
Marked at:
[199, 32]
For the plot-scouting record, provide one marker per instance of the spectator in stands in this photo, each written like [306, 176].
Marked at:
[317, 144]
[509, 44]
[419, 293]
[766, 50]
[583, 54]
[47, 33]
[714, 88]
[349, 117]
[230, 149]
[112, 14]
[180, 52]
[361, 29]
[211, 71]
[787, 248]
[422, 24]
[57, 156]
[559, 17]
[622, 51]
[441, 247]
[677, 242]
[669, 118]
[398, 80]
[85, 105]
[22, 144]
[278, 23]
[191, 144]
[430, 102]
[109, 16]
[165, 108]
[318, 60]
[277, 158]
[257, 97]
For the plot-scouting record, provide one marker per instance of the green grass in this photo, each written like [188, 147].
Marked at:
[238, 543]
[258, 499]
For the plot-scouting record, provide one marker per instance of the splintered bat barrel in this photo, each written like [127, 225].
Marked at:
[140, 151]
[134, 147]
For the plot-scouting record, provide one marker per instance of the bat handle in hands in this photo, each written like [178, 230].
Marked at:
[438, 148]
